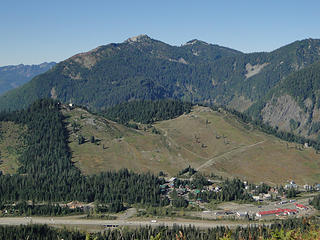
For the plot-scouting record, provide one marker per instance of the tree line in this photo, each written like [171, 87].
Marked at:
[25, 209]
[47, 173]
[147, 111]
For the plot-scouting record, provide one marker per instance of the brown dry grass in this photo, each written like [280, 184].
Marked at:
[192, 139]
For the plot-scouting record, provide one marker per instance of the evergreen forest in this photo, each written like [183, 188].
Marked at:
[46, 172]
[147, 111]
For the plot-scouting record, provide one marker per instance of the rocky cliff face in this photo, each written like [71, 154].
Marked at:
[286, 114]
[283, 112]
[294, 104]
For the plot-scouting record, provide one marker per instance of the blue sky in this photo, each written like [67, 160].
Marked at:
[35, 31]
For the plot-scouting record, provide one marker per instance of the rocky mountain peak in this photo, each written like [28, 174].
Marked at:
[195, 41]
[139, 38]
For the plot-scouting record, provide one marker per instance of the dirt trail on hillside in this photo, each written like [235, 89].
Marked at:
[240, 149]
[209, 160]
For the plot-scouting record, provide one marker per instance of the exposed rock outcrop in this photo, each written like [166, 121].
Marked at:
[280, 111]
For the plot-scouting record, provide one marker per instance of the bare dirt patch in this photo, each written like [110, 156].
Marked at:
[255, 69]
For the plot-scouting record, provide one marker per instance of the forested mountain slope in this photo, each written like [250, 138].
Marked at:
[147, 111]
[144, 68]
[45, 171]
[294, 104]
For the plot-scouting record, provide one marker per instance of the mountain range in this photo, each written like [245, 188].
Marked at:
[16, 75]
[278, 87]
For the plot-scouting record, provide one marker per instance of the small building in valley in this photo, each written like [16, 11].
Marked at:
[279, 211]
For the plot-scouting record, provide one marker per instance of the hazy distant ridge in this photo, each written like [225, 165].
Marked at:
[13, 76]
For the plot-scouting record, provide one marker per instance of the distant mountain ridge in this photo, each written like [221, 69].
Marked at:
[145, 68]
[139, 68]
[13, 76]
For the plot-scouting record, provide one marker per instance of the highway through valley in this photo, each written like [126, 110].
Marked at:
[74, 221]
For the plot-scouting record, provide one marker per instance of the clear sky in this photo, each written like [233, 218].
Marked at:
[34, 31]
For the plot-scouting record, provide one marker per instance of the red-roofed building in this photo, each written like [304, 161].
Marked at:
[301, 207]
[285, 211]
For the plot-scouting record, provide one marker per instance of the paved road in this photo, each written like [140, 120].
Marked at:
[93, 222]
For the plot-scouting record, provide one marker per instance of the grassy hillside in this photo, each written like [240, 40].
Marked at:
[210, 141]
[11, 146]
[46, 172]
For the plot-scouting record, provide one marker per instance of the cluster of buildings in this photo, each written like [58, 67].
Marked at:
[183, 191]
[315, 187]
[291, 185]
[282, 211]
[78, 205]
[290, 207]
[262, 197]
[277, 212]
[306, 187]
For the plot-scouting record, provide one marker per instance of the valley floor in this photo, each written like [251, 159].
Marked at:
[225, 215]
